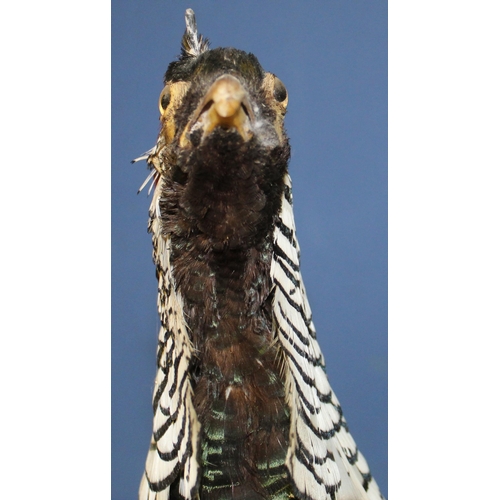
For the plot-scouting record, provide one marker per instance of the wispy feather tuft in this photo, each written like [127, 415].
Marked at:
[192, 44]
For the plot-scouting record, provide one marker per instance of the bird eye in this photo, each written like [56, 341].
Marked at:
[164, 99]
[279, 90]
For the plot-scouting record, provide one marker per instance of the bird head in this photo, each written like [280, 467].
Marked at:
[220, 99]
[222, 149]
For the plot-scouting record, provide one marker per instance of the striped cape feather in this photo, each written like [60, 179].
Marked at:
[323, 460]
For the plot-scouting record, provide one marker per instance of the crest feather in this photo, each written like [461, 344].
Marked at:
[192, 44]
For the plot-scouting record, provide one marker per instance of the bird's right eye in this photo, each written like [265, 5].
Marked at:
[280, 93]
[164, 99]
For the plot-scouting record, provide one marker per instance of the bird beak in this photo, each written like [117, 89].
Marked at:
[225, 105]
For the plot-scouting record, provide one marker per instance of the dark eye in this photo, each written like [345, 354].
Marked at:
[279, 90]
[164, 100]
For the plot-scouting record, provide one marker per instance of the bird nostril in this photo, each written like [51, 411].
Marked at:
[245, 109]
[207, 106]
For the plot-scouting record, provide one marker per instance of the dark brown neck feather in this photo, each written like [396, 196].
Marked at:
[221, 224]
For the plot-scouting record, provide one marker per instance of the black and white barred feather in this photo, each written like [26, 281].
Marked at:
[323, 459]
[174, 444]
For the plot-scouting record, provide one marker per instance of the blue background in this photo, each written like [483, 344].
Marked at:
[332, 57]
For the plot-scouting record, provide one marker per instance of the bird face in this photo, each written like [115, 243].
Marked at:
[222, 101]
[222, 151]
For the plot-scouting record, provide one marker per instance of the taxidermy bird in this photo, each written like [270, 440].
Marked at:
[242, 405]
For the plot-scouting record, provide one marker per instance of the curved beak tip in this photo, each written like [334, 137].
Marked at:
[225, 105]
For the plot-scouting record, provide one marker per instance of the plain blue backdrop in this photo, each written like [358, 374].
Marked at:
[332, 57]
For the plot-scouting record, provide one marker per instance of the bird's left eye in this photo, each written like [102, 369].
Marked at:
[279, 90]
[164, 99]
